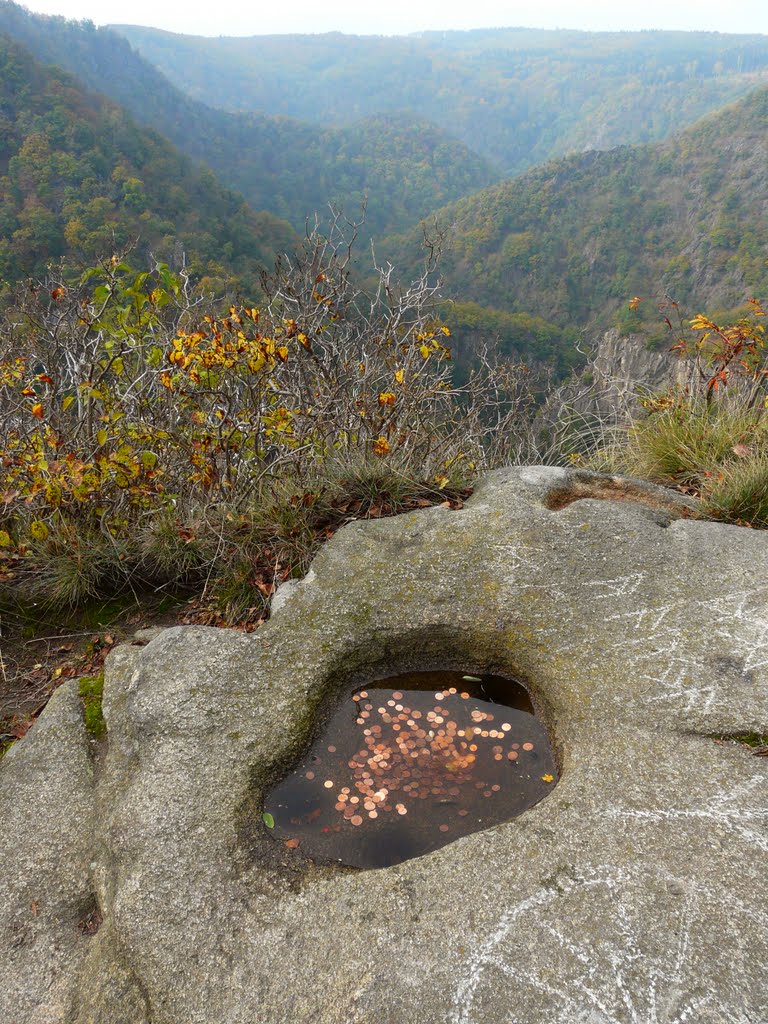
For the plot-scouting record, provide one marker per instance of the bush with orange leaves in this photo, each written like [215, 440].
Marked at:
[143, 431]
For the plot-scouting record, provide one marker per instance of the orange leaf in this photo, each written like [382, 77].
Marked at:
[37, 410]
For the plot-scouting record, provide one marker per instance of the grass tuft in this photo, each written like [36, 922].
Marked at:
[738, 493]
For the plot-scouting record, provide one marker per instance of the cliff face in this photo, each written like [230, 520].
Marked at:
[622, 369]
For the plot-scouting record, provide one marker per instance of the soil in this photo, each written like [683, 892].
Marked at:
[40, 649]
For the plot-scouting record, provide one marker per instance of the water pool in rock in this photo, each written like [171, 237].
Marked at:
[410, 763]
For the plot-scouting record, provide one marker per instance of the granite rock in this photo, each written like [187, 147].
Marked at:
[635, 893]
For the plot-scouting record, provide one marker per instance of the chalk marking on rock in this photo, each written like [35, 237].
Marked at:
[599, 998]
[721, 809]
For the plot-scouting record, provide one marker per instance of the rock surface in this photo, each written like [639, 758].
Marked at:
[47, 827]
[634, 894]
[623, 370]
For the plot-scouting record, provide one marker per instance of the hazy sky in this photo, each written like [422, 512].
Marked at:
[391, 17]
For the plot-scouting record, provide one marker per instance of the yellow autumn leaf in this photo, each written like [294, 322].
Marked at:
[548, 778]
[381, 446]
[37, 410]
[424, 351]
[387, 398]
[399, 376]
[5, 539]
[442, 481]
[38, 530]
[702, 323]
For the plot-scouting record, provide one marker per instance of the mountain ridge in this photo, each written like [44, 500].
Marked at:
[575, 239]
[289, 168]
[79, 178]
[519, 97]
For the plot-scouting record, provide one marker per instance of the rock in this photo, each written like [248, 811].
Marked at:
[147, 634]
[47, 904]
[634, 894]
[285, 592]
[622, 370]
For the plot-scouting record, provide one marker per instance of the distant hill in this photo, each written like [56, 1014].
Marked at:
[403, 164]
[575, 239]
[519, 97]
[79, 177]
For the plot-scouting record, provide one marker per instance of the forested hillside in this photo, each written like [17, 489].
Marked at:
[576, 239]
[533, 261]
[404, 165]
[517, 96]
[79, 177]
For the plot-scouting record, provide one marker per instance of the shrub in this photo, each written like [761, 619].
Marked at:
[712, 437]
[145, 431]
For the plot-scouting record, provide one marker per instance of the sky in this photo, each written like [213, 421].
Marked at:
[394, 17]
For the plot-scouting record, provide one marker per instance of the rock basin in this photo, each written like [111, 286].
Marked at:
[411, 763]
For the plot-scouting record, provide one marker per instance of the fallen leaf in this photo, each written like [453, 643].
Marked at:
[292, 844]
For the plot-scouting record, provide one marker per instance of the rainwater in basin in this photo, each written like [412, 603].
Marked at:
[410, 763]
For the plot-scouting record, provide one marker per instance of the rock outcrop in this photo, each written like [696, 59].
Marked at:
[621, 371]
[635, 893]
